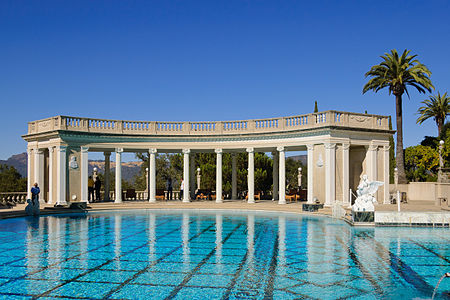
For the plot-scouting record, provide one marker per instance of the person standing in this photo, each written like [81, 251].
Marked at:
[35, 190]
[181, 189]
[90, 189]
[97, 187]
[169, 189]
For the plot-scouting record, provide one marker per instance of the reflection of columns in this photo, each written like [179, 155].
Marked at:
[118, 193]
[330, 174]
[233, 177]
[29, 183]
[152, 237]
[61, 175]
[39, 172]
[345, 173]
[310, 166]
[250, 237]
[251, 176]
[185, 239]
[218, 175]
[275, 175]
[152, 175]
[282, 177]
[107, 172]
[282, 241]
[186, 195]
[117, 235]
[84, 174]
[218, 238]
[50, 199]
[386, 199]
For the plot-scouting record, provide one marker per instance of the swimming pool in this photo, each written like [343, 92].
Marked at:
[217, 255]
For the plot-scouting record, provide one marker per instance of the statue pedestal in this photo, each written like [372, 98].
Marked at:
[363, 216]
[311, 207]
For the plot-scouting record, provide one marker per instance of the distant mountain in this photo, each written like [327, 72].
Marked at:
[18, 161]
[302, 158]
[129, 169]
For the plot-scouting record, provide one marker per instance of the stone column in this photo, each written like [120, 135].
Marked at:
[372, 162]
[29, 183]
[84, 174]
[152, 175]
[330, 174]
[39, 172]
[218, 175]
[233, 177]
[386, 199]
[186, 196]
[50, 199]
[118, 192]
[345, 173]
[310, 166]
[192, 176]
[107, 175]
[282, 176]
[275, 175]
[61, 164]
[251, 175]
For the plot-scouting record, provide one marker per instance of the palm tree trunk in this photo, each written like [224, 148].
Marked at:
[400, 160]
[439, 122]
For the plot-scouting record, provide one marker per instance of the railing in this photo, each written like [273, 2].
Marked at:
[141, 195]
[13, 198]
[315, 120]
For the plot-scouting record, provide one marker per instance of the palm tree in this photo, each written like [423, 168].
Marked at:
[397, 73]
[437, 107]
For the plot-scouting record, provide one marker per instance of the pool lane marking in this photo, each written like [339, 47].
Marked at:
[156, 261]
[268, 292]
[236, 275]
[402, 269]
[430, 250]
[105, 263]
[200, 264]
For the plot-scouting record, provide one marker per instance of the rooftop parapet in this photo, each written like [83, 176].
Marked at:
[282, 124]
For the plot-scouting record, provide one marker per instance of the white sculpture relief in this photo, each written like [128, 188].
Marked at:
[320, 161]
[366, 190]
[73, 162]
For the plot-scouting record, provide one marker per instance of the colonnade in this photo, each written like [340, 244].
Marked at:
[58, 176]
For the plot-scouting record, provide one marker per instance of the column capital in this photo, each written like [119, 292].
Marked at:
[280, 148]
[218, 150]
[30, 151]
[372, 147]
[84, 149]
[186, 151]
[330, 146]
[310, 147]
[119, 150]
[61, 148]
[38, 151]
[107, 153]
[51, 149]
[250, 150]
[345, 146]
[386, 148]
[152, 150]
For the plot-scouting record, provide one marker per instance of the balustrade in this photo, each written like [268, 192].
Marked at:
[320, 119]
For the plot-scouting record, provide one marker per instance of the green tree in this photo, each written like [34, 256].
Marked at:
[421, 163]
[436, 107]
[397, 73]
[11, 180]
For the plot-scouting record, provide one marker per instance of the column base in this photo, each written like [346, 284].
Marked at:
[152, 201]
[219, 201]
[186, 201]
[282, 201]
[251, 201]
[118, 201]
[61, 203]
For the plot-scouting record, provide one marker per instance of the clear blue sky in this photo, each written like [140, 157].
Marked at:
[208, 60]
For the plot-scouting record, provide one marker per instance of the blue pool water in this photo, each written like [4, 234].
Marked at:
[217, 255]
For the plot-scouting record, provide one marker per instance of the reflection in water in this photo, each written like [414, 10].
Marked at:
[315, 258]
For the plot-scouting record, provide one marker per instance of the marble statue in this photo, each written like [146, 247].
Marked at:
[366, 190]
[32, 208]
